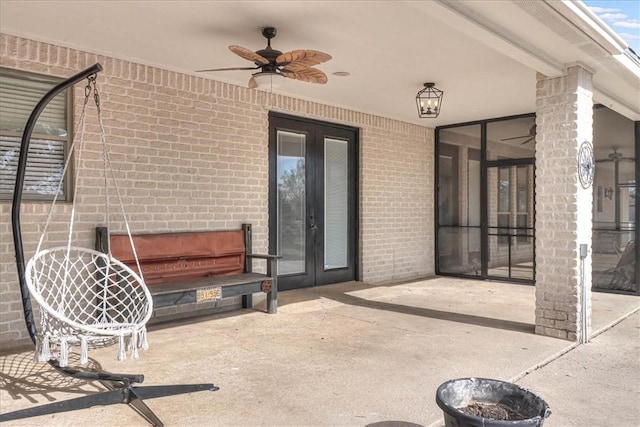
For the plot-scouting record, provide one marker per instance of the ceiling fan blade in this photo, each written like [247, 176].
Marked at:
[310, 75]
[253, 83]
[621, 159]
[228, 69]
[526, 141]
[249, 55]
[515, 137]
[298, 60]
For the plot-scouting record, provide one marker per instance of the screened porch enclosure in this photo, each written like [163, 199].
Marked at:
[614, 203]
[486, 196]
[486, 199]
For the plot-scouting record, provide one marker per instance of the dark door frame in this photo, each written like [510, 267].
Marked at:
[484, 242]
[484, 220]
[353, 178]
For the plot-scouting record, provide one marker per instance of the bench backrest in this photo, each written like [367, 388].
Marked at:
[171, 257]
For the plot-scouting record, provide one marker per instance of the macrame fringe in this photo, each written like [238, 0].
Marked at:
[84, 350]
[43, 352]
[122, 351]
[134, 344]
[143, 341]
[38, 352]
[64, 352]
[138, 339]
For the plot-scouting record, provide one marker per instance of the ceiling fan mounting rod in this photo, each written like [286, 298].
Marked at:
[269, 33]
[268, 52]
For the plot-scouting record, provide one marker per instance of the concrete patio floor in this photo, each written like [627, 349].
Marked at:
[354, 354]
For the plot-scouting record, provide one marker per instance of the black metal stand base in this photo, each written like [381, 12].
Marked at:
[125, 393]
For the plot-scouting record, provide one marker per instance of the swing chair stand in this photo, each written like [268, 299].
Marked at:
[125, 393]
[120, 387]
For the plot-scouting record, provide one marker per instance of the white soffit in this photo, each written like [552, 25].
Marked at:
[548, 36]
[474, 19]
[616, 82]
[580, 16]
[475, 50]
[390, 48]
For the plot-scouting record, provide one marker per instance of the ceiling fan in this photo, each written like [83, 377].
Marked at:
[616, 157]
[297, 64]
[530, 136]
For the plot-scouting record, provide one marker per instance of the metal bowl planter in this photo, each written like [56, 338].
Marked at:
[454, 395]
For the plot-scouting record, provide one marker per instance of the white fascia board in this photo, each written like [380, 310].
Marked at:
[630, 62]
[590, 24]
[600, 96]
[576, 12]
[460, 17]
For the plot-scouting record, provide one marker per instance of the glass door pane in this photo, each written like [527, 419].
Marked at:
[510, 228]
[291, 202]
[511, 139]
[459, 202]
[336, 203]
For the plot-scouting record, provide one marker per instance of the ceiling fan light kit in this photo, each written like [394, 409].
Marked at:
[273, 64]
[266, 81]
[429, 101]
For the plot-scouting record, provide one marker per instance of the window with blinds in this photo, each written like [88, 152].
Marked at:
[19, 94]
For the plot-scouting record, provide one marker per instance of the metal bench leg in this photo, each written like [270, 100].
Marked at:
[247, 301]
[272, 296]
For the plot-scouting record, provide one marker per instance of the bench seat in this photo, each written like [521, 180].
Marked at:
[174, 293]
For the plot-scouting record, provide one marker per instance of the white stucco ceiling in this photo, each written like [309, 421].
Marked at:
[483, 54]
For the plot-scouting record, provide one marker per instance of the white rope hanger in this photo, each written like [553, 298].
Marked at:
[87, 298]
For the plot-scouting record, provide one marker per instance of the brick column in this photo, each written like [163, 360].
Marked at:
[564, 119]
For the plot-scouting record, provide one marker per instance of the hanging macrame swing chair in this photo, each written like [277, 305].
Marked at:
[87, 298]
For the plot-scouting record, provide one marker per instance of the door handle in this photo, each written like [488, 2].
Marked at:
[312, 223]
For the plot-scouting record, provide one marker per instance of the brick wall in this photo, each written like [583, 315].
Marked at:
[396, 204]
[192, 155]
[563, 208]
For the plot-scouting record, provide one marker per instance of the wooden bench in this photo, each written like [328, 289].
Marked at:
[195, 267]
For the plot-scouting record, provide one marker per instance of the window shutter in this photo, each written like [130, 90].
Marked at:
[18, 97]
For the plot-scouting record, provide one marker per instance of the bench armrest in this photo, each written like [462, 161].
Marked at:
[272, 263]
[272, 271]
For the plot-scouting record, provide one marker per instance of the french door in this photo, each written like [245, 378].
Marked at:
[510, 230]
[312, 201]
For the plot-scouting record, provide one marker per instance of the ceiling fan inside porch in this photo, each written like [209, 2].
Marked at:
[616, 157]
[529, 137]
[296, 65]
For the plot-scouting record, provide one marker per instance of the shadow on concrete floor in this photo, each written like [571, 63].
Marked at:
[486, 322]
[23, 378]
